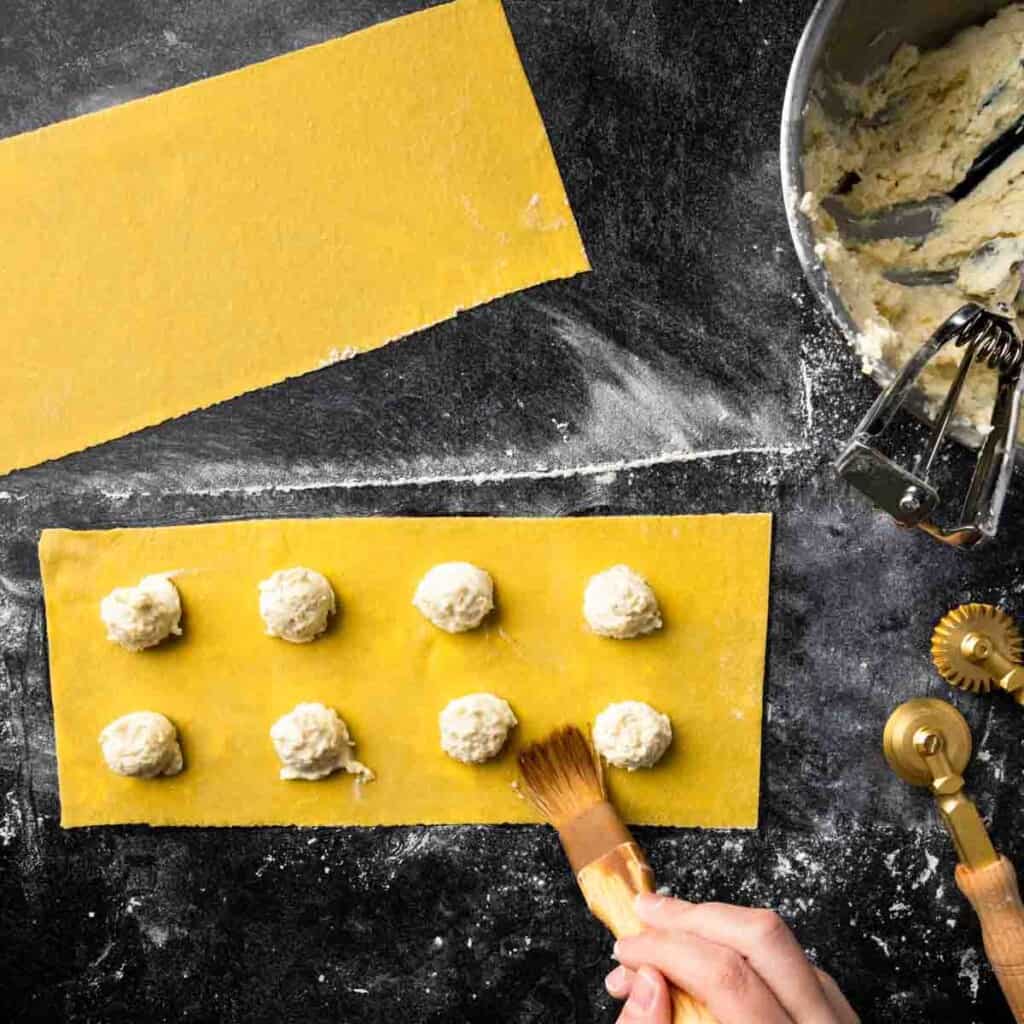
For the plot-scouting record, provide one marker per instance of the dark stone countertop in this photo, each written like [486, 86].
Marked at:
[689, 372]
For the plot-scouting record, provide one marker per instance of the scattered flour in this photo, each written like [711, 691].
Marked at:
[338, 355]
[970, 970]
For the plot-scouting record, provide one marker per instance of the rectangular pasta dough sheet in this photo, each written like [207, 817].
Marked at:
[184, 248]
[388, 672]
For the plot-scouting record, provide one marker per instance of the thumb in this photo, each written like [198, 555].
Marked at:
[648, 1001]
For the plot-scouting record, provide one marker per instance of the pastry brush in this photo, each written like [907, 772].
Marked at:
[563, 778]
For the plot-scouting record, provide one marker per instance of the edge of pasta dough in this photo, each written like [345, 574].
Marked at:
[200, 243]
[388, 672]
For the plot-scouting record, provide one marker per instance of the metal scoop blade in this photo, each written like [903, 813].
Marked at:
[908, 495]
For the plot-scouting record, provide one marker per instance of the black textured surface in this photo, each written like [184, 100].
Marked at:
[688, 373]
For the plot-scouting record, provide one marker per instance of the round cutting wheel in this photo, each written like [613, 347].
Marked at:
[992, 623]
[936, 716]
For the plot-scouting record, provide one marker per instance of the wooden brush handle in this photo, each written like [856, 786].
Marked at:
[609, 886]
[994, 895]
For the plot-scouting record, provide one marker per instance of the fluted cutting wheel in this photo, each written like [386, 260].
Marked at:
[985, 619]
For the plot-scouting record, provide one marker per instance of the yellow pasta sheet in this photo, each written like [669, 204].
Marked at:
[388, 672]
[184, 248]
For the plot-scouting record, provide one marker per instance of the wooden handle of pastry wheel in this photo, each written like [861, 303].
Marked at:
[609, 886]
[994, 895]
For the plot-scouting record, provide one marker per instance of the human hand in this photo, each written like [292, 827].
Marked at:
[744, 965]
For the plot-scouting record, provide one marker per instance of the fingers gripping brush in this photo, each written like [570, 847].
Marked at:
[563, 778]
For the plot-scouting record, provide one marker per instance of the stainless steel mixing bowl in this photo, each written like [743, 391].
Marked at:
[849, 39]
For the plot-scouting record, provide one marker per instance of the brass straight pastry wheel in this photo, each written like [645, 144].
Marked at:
[927, 743]
[978, 647]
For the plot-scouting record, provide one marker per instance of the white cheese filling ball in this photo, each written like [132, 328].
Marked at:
[143, 744]
[142, 616]
[474, 728]
[455, 596]
[632, 735]
[295, 604]
[620, 603]
[312, 741]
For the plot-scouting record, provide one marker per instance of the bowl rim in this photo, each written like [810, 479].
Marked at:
[794, 105]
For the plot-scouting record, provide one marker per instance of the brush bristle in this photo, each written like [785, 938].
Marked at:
[562, 775]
